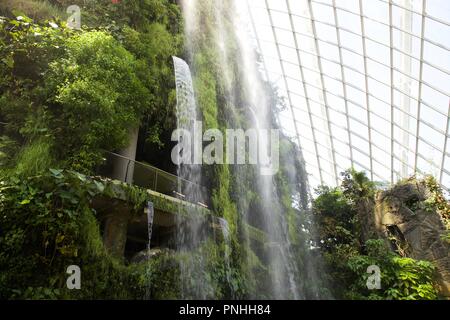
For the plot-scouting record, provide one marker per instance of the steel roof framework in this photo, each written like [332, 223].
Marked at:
[364, 83]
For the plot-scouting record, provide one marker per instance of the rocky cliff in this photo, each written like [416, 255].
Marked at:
[413, 217]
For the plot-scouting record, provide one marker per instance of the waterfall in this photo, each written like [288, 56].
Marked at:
[220, 49]
[190, 231]
[284, 274]
[189, 174]
[279, 247]
[227, 245]
[186, 109]
[150, 214]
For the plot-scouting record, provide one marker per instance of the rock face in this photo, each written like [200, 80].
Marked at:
[146, 255]
[401, 215]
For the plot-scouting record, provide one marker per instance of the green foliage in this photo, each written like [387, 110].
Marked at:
[47, 225]
[84, 90]
[414, 280]
[436, 200]
[26, 50]
[205, 83]
[206, 265]
[334, 218]
[97, 97]
[153, 49]
[38, 10]
[34, 158]
[136, 14]
[336, 211]
[357, 185]
[65, 231]
[347, 260]
[401, 278]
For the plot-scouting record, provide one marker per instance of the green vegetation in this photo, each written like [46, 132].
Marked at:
[74, 93]
[65, 232]
[347, 257]
[401, 278]
[38, 10]
[436, 200]
[97, 96]
[56, 206]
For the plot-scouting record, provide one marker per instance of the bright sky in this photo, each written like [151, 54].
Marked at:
[335, 63]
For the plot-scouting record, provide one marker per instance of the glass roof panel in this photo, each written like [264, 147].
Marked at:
[375, 87]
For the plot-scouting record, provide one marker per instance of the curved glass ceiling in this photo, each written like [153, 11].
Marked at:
[367, 83]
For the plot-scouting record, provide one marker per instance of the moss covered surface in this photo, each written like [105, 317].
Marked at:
[139, 197]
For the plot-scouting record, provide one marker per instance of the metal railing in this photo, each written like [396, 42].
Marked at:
[146, 176]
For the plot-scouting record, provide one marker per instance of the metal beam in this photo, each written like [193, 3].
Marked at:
[366, 104]
[366, 72]
[319, 63]
[424, 7]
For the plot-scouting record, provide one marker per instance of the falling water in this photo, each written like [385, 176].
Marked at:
[150, 214]
[278, 247]
[283, 269]
[227, 245]
[186, 109]
[284, 272]
[189, 230]
[186, 113]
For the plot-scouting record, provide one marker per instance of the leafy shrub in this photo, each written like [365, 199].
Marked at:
[85, 90]
[356, 185]
[47, 225]
[334, 218]
[26, 50]
[34, 158]
[401, 278]
[97, 98]
[436, 200]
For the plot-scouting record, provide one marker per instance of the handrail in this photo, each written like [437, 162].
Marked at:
[152, 167]
[149, 177]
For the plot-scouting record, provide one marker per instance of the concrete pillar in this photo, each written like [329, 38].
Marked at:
[123, 168]
[115, 231]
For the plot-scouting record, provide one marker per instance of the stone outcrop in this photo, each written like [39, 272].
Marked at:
[146, 255]
[400, 214]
